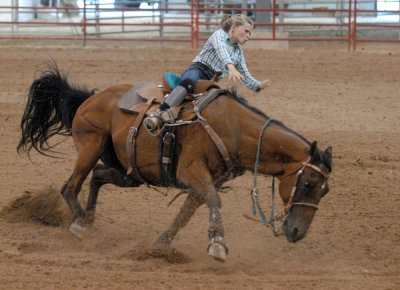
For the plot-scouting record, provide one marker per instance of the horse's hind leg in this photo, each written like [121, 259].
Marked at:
[90, 150]
[192, 202]
[103, 175]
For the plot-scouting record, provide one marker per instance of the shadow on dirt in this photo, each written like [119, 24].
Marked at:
[42, 207]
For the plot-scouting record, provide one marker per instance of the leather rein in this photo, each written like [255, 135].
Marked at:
[298, 171]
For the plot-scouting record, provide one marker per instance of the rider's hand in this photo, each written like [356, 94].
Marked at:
[264, 84]
[233, 75]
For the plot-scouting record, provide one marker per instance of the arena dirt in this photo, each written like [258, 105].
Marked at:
[350, 100]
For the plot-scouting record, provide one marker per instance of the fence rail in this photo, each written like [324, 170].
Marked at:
[191, 21]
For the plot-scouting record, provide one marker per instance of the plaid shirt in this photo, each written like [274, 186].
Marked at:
[219, 51]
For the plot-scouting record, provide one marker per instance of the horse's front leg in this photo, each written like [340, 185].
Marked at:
[193, 201]
[197, 176]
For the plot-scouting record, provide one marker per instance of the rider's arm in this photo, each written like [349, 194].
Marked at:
[248, 79]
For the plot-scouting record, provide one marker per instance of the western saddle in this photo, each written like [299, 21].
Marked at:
[145, 99]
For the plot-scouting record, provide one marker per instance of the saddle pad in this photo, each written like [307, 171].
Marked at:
[132, 98]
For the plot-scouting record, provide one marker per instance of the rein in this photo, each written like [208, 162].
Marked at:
[254, 192]
[298, 171]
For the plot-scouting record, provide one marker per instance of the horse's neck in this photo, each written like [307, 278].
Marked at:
[281, 148]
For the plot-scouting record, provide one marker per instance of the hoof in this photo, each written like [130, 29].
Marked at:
[158, 244]
[77, 230]
[89, 219]
[164, 240]
[218, 252]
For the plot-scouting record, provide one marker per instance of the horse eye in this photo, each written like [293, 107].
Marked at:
[308, 184]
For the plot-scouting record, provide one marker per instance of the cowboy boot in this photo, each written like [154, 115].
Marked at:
[163, 114]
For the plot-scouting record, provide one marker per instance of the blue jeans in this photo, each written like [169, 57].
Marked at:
[197, 71]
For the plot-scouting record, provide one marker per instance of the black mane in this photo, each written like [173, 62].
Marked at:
[245, 103]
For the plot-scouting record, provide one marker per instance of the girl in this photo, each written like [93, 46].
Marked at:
[221, 53]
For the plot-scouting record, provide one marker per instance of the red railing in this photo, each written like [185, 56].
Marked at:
[274, 25]
[350, 28]
[358, 25]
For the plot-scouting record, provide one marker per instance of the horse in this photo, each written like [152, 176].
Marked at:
[99, 130]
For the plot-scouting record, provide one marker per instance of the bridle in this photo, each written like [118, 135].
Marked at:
[298, 170]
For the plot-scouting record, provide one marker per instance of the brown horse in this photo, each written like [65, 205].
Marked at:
[99, 130]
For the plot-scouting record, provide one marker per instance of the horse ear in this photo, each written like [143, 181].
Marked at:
[314, 151]
[328, 158]
[328, 152]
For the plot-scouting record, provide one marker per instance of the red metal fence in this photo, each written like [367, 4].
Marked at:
[191, 21]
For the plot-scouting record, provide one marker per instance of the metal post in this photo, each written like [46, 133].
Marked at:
[192, 27]
[197, 22]
[354, 25]
[349, 28]
[84, 23]
[162, 15]
[273, 19]
[263, 16]
[338, 16]
[14, 27]
[281, 15]
[97, 17]
[123, 19]
[244, 6]
[35, 11]
[58, 4]
[207, 13]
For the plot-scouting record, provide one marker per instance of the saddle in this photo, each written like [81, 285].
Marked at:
[145, 99]
[136, 99]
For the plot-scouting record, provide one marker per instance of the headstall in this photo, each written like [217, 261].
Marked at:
[298, 171]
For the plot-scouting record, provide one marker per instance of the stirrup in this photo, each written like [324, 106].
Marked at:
[156, 121]
[153, 122]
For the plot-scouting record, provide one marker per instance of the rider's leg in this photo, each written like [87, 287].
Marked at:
[178, 94]
[176, 97]
[188, 81]
[189, 78]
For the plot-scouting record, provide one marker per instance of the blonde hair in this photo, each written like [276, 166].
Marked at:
[238, 19]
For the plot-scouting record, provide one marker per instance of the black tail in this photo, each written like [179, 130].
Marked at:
[50, 109]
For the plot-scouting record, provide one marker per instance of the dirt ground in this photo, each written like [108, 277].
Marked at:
[350, 100]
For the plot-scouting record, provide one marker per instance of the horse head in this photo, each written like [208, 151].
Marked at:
[301, 190]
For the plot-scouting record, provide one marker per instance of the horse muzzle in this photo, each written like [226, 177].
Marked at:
[296, 225]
